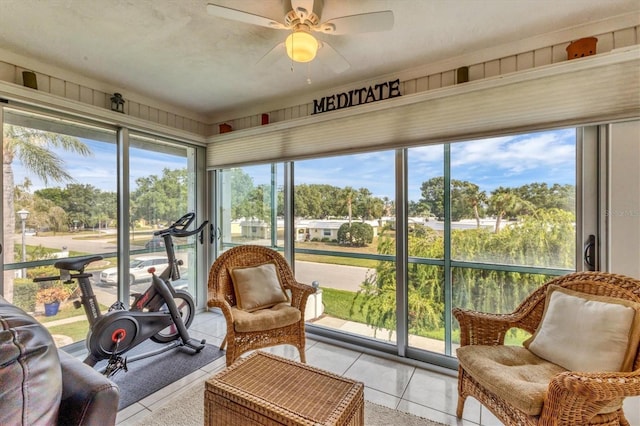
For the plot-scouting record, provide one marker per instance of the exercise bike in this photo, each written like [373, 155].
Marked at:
[160, 313]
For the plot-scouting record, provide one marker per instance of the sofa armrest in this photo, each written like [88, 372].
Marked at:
[88, 397]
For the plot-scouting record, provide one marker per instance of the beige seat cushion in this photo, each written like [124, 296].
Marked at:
[277, 316]
[513, 373]
[257, 287]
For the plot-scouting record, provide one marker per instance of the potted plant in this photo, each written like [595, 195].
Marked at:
[51, 298]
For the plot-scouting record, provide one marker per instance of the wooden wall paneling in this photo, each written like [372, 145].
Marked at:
[153, 114]
[623, 38]
[605, 43]
[409, 87]
[43, 82]
[508, 65]
[171, 120]
[7, 72]
[559, 52]
[134, 108]
[492, 68]
[144, 112]
[476, 72]
[422, 84]
[524, 61]
[435, 81]
[448, 78]
[100, 99]
[86, 95]
[56, 86]
[162, 117]
[542, 56]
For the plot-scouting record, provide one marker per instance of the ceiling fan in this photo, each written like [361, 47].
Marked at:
[301, 18]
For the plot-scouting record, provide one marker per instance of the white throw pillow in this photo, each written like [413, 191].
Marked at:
[583, 332]
[257, 287]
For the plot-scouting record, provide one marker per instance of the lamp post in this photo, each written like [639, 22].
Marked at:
[24, 214]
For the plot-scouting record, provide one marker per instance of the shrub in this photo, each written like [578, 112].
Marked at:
[24, 294]
[357, 234]
[52, 294]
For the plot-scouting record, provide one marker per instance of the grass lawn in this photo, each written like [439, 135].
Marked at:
[76, 330]
[338, 304]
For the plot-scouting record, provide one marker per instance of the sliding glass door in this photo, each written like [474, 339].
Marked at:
[395, 240]
[59, 201]
[61, 197]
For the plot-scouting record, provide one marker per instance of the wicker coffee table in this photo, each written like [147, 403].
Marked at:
[264, 389]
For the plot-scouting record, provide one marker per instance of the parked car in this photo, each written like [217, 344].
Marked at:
[138, 270]
[157, 242]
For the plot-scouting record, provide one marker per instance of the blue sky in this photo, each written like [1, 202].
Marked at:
[502, 161]
[508, 161]
[99, 169]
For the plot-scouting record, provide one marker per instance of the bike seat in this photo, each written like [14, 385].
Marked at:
[76, 264]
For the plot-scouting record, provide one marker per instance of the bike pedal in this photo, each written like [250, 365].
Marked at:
[77, 304]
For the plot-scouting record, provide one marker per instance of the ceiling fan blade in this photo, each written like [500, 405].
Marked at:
[362, 23]
[272, 56]
[328, 56]
[240, 16]
[302, 8]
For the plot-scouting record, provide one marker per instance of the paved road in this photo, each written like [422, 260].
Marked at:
[97, 245]
[331, 276]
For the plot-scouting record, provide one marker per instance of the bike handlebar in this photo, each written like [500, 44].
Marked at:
[179, 226]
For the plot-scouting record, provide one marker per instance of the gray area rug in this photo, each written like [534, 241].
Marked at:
[187, 409]
[148, 375]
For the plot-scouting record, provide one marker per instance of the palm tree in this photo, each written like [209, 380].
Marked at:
[504, 201]
[34, 149]
[348, 193]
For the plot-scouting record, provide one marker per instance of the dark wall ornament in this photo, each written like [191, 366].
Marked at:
[29, 79]
[117, 103]
[364, 95]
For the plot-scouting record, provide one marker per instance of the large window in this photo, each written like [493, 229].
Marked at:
[161, 190]
[482, 223]
[250, 206]
[61, 200]
[344, 223]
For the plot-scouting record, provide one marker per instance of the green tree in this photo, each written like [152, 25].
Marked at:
[543, 238]
[35, 150]
[367, 206]
[160, 199]
[543, 196]
[505, 202]
[241, 185]
[348, 195]
[356, 234]
[466, 198]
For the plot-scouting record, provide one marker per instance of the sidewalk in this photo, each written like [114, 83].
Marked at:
[365, 330]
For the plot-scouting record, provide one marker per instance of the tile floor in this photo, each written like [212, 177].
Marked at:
[391, 383]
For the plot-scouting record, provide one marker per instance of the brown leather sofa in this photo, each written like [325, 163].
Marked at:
[41, 385]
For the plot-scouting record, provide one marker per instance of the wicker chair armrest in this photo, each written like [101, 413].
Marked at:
[575, 397]
[480, 328]
[601, 386]
[299, 294]
[224, 307]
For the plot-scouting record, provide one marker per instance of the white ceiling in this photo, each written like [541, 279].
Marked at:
[174, 52]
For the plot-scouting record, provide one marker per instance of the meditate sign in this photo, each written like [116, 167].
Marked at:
[378, 92]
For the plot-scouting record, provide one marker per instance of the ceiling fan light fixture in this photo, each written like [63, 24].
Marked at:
[301, 46]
